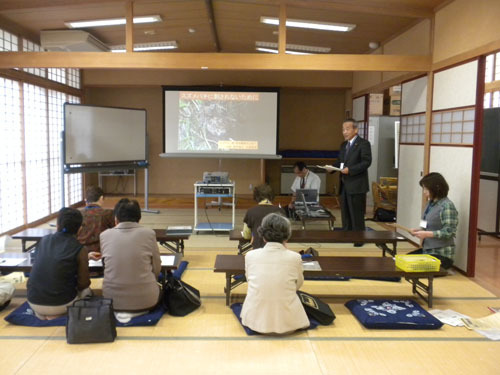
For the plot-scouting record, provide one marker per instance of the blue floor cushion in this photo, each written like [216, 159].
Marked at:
[24, 316]
[236, 307]
[392, 314]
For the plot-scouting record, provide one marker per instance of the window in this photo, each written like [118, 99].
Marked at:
[453, 127]
[8, 41]
[30, 154]
[29, 46]
[11, 157]
[492, 79]
[412, 129]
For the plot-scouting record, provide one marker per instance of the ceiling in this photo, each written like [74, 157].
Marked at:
[236, 22]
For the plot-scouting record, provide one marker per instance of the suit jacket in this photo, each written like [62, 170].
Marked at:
[357, 160]
[274, 275]
[131, 266]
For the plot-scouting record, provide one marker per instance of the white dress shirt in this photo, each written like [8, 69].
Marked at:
[274, 275]
[311, 181]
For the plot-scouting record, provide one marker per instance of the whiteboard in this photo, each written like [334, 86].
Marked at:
[103, 134]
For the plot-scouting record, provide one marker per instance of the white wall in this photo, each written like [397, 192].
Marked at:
[414, 96]
[411, 161]
[358, 108]
[455, 87]
[455, 164]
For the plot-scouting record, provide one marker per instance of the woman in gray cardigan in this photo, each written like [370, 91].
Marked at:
[131, 261]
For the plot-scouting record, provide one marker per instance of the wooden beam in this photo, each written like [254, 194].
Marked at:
[386, 8]
[492, 86]
[428, 127]
[211, 19]
[129, 26]
[282, 30]
[215, 61]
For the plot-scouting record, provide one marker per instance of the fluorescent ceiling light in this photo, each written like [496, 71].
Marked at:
[158, 46]
[294, 47]
[343, 27]
[271, 50]
[111, 22]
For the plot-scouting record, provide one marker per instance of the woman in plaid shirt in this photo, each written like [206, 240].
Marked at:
[438, 226]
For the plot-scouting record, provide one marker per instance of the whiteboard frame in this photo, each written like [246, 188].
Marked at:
[98, 166]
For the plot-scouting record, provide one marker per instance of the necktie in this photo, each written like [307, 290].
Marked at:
[347, 148]
[302, 183]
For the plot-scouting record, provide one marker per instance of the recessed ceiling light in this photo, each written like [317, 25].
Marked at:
[111, 22]
[291, 48]
[342, 27]
[158, 46]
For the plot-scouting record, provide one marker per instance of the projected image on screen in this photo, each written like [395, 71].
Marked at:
[213, 120]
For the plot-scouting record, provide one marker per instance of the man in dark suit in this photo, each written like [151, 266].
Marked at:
[354, 159]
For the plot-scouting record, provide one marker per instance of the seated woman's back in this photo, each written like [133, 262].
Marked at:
[131, 263]
[274, 275]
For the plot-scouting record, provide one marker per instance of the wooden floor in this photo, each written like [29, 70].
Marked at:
[211, 341]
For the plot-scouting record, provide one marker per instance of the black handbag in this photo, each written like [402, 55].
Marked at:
[316, 308]
[180, 298]
[91, 320]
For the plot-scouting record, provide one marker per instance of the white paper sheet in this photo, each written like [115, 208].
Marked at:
[95, 263]
[167, 260]
[11, 262]
[311, 266]
[449, 317]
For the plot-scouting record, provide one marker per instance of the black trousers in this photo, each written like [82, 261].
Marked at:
[353, 208]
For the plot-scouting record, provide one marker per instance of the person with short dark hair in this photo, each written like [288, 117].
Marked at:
[95, 220]
[274, 275]
[439, 221]
[354, 159]
[304, 179]
[263, 195]
[131, 261]
[60, 272]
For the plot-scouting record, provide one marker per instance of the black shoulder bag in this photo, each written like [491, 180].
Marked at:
[91, 320]
[316, 308]
[180, 298]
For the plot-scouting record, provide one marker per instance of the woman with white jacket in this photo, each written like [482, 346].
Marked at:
[274, 275]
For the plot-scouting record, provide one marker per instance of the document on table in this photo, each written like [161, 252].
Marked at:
[327, 166]
[449, 317]
[180, 227]
[312, 265]
[11, 262]
[95, 263]
[167, 260]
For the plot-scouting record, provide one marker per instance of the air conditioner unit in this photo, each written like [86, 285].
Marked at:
[71, 41]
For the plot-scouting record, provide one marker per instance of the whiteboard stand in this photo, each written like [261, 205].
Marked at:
[146, 193]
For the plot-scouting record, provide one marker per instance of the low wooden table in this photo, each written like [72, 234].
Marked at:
[27, 264]
[377, 237]
[233, 265]
[174, 243]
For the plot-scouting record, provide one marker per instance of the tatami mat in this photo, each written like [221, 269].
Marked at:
[211, 341]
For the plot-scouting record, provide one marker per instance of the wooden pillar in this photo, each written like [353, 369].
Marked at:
[282, 30]
[129, 27]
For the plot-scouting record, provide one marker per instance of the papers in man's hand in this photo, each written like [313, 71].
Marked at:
[11, 262]
[95, 263]
[312, 265]
[167, 260]
[449, 317]
[329, 167]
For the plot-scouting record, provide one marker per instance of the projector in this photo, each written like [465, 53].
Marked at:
[215, 177]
